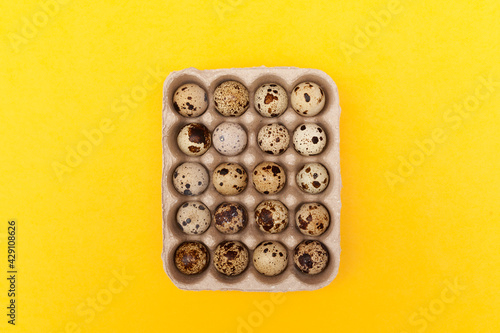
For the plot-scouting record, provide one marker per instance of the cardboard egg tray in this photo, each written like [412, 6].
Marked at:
[291, 279]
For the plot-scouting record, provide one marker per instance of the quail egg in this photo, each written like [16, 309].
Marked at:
[307, 99]
[229, 178]
[194, 139]
[191, 258]
[270, 258]
[190, 100]
[190, 178]
[269, 178]
[193, 217]
[230, 217]
[231, 258]
[309, 139]
[273, 139]
[271, 216]
[310, 257]
[313, 178]
[271, 100]
[229, 139]
[312, 219]
[231, 99]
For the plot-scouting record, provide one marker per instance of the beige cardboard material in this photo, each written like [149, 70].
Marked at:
[251, 280]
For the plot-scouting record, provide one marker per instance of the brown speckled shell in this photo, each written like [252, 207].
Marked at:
[191, 258]
[270, 258]
[231, 99]
[271, 100]
[190, 100]
[313, 178]
[271, 216]
[269, 178]
[308, 99]
[229, 178]
[231, 258]
[312, 219]
[309, 139]
[311, 257]
[273, 139]
[230, 217]
[194, 139]
[190, 178]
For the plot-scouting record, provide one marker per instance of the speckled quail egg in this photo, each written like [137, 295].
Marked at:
[271, 216]
[311, 257]
[309, 139]
[273, 139]
[193, 217]
[270, 258]
[231, 99]
[194, 139]
[271, 100]
[190, 100]
[312, 219]
[230, 217]
[190, 178]
[307, 99]
[231, 258]
[191, 258]
[269, 178]
[229, 139]
[313, 178]
[229, 178]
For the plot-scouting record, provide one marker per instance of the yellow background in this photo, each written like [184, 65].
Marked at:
[401, 243]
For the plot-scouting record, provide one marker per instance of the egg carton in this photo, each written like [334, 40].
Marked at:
[291, 279]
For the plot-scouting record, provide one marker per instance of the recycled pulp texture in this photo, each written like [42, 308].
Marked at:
[251, 280]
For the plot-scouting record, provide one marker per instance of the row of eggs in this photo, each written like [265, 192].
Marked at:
[230, 139]
[271, 216]
[231, 99]
[270, 258]
[192, 179]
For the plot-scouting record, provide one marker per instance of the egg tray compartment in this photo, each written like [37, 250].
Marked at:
[291, 279]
